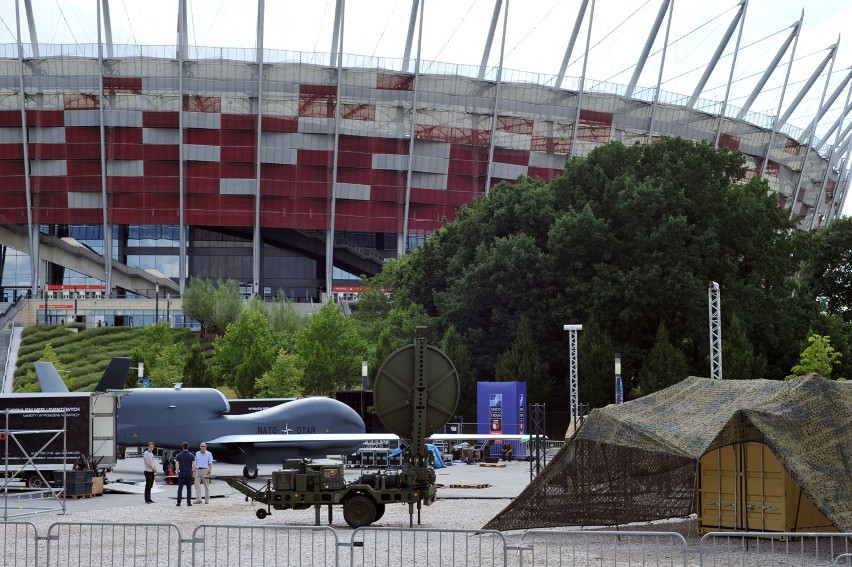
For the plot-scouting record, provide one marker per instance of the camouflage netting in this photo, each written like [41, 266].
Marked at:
[638, 461]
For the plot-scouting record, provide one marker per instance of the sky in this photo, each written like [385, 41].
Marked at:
[537, 34]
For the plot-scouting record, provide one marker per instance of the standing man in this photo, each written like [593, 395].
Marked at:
[203, 470]
[150, 470]
[185, 467]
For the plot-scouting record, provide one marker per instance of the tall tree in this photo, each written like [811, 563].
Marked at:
[283, 379]
[827, 273]
[196, 371]
[214, 306]
[453, 346]
[595, 361]
[330, 349]
[739, 361]
[246, 350]
[664, 367]
[522, 363]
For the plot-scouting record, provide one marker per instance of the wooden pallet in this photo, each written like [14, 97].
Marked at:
[494, 465]
[483, 485]
[79, 496]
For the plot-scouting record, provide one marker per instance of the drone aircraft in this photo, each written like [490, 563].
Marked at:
[169, 416]
[305, 427]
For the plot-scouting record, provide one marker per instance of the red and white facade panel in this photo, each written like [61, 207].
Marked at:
[149, 126]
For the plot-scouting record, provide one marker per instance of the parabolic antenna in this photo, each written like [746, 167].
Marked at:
[416, 391]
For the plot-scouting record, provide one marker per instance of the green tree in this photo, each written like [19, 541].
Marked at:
[162, 353]
[196, 371]
[168, 366]
[739, 361]
[818, 357]
[595, 365]
[629, 234]
[214, 306]
[283, 379]
[664, 367]
[522, 363]
[453, 346]
[282, 315]
[246, 351]
[330, 349]
[397, 330]
[827, 270]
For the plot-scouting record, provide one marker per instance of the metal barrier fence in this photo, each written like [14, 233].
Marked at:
[20, 543]
[85, 544]
[393, 547]
[599, 548]
[270, 546]
[143, 545]
[773, 548]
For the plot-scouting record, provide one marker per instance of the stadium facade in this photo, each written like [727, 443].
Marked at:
[194, 164]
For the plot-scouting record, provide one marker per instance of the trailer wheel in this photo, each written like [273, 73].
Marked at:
[359, 511]
[380, 511]
[261, 513]
[250, 474]
[35, 481]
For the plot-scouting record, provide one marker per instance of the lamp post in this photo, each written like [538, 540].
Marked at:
[156, 303]
[363, 381]
[572, 349]
[168, 308]
[619, 389]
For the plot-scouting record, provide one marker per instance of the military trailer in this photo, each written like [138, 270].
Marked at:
[416, 391]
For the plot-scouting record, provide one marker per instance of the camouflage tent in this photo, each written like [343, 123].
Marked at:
[638, 461]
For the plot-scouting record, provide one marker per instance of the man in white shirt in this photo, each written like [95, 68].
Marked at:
[150, 470]
[203, 470]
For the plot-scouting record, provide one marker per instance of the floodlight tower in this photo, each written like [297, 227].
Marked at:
[715, 331]
[572, 349]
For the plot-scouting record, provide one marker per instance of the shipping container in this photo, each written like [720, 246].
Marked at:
[744, 487]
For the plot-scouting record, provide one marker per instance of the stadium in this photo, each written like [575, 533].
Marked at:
[185, 161]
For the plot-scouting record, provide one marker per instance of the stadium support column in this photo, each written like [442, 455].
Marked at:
[107, 29]
[107, 227]
[257, 241]
[32, 230]
[660, 76]
[573, 379]
[491, 142]
[649, 43]
[581, 13]
[741, 18]
[489, 40]
[713, 296]
[775, 124]
[181, 203]
[402, 241]
[329, 236]
[582, 83]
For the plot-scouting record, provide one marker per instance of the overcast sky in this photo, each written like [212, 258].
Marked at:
[536, 37]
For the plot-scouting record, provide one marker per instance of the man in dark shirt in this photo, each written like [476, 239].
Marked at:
[185, 467]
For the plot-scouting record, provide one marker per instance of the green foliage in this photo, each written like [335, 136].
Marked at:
[282, 316]
[331, 350]
[214, 306]
[452, 345]
[819, 357]
[522, 363]
[246, 350]
[665, 366]
[397, 330]
[739, 361]
[283, 379]
[629, 234]
[827, 273]
[163, 355]
[196, 371]
[595, 365]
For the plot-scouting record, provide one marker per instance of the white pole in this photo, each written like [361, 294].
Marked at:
[572, 339]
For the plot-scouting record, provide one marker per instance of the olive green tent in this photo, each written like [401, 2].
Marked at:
[638, 461]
